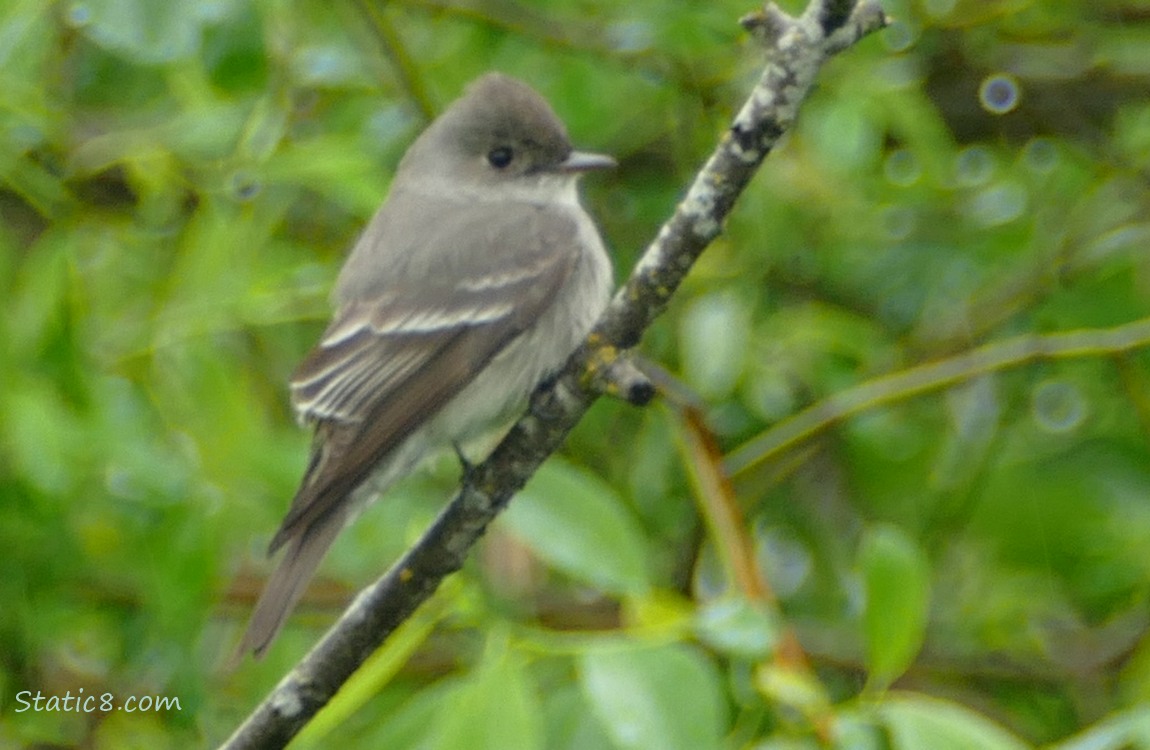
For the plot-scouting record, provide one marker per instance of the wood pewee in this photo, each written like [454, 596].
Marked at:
[477, 278]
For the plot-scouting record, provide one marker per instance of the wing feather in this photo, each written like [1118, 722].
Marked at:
[386, 364]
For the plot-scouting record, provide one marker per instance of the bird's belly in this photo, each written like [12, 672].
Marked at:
[500, 391]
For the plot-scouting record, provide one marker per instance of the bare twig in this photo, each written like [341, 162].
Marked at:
[932, 376]
[719, 506]
[394, 50]
[797, 47]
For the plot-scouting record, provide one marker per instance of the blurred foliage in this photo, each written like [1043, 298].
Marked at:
[958, 567]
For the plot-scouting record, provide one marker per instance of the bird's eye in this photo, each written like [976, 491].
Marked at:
[499, 157]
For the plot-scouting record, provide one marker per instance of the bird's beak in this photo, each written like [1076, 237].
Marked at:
[583, 161]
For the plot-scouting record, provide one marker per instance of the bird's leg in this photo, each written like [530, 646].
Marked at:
[464, 462]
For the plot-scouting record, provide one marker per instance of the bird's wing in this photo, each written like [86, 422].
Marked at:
[389, 362]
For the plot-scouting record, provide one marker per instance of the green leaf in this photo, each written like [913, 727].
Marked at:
[143, 30]
[791, 690]
[738, 627]
[496, 709]
[34, 308]
[896, 579]
[715, 334]
[856, 728]
[410, 724]
[1129, 730]
[44, 436]
[373, 676]
[575, 522]
[916, 722]
[570, 723]
[667, 697]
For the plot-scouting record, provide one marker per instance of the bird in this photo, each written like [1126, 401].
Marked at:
[476, 278]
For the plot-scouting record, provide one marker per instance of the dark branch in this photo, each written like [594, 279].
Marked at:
[796, 48]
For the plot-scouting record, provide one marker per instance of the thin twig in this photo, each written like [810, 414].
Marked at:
[932, 376]
[719, 506]
[393, 48]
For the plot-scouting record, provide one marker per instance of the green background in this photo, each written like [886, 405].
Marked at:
[964, 567]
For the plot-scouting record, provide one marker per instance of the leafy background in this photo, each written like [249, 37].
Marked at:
[956, 562]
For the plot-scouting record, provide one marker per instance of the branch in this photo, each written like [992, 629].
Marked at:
[932, 376]
[797, 47]
[394, 50]
[719, 506]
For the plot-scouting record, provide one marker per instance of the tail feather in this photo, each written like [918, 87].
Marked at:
[289, 581]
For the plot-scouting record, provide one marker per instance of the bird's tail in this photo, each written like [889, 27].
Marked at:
[287, 584]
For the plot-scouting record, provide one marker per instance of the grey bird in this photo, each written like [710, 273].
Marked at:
[477, 278]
